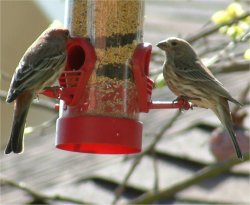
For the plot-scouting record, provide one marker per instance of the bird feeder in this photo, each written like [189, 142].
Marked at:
[105, 83]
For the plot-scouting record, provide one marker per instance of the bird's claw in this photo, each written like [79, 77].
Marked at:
[36, 97]
[183, 102]
[53, 91]
[181, 98]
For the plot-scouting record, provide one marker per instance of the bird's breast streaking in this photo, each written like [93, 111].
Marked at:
[182, 87]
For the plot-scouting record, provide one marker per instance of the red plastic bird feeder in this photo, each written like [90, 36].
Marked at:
[105, 84]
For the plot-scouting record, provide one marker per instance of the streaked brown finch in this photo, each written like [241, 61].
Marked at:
[188, 78]
[39, 67]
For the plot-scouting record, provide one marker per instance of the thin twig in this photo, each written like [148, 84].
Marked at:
[230, 67]
[138, 158]
[160, 134]
[207, 172]
[156, 172]
[218, 56]
[121, 188]
[193, 200]
[39, 196]
[242, 98]
[41, 127]
[209, 49]
[167, 155]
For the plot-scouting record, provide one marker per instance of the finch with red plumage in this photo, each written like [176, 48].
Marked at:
[189, 78]
[39, 67]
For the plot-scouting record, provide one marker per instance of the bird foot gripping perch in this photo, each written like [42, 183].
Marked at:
[79, 131]
[183, 102]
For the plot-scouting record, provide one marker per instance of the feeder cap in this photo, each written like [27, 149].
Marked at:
[100, 135]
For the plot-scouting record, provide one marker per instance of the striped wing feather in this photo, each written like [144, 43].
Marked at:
[200, 75]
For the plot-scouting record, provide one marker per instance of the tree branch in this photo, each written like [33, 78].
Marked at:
[242, 98]
[230, 67]
[207, 172]
[209, 49]
[191, 200]
[210, 30]
[139, 157]
[39, 196]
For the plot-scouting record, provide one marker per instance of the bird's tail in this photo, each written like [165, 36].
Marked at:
[235, 101]
[223, 113]
[22, 105]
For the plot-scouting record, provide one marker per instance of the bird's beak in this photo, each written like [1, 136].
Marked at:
[162, 45]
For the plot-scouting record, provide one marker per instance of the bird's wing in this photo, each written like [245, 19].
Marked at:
[28, 75]
[195, 71]
[198, 73]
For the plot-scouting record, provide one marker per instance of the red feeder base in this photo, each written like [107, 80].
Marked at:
[100, 135]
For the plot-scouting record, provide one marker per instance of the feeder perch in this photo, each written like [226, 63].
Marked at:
[105, 83]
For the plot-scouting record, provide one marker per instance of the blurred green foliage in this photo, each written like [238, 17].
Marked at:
[159, 81]
[247, 54]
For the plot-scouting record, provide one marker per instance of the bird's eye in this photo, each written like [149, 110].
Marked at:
[174, 43]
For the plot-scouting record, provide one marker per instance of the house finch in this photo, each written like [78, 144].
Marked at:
[40, 66]
[188, 78]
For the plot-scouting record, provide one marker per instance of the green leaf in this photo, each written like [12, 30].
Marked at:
[160, 82]
[237, 30]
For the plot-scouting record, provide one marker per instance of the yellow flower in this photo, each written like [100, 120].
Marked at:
[220, 17]
[235, 10]
[247, 54]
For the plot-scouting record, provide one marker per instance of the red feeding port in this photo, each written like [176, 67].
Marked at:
[80, 63]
